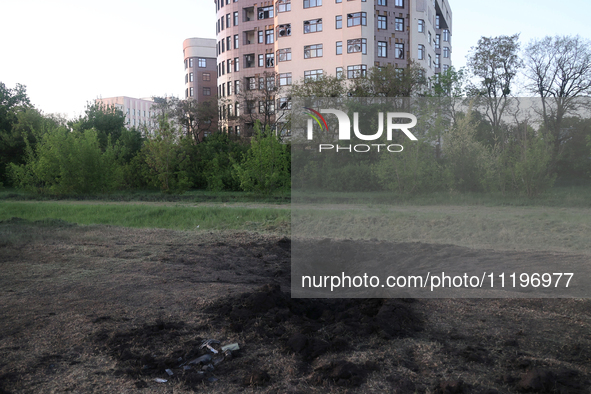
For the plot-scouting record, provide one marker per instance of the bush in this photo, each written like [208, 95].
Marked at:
[266, 166]
[68, 163]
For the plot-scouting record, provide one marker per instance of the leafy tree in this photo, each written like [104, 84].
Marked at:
[414, 170]
[495, 61]
[389, 81]
[469, 161]
[12, 101]
[323, 86]
[266, 166]
[215, 158]
[107, 120]
[168, 163]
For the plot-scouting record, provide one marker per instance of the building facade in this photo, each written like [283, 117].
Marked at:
[139, 113]
[303, 39]
[200, 68]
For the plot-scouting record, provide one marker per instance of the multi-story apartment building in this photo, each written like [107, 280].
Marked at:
[138, 112]
[201, 73]
[200, 68]
[303, 39]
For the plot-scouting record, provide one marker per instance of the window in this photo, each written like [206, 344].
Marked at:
[206, 91]
[222, 23]
[235, 18]
[249, 60]
[339, 72]
[265, 12]
[399, 3]
[382, 49]
[430, 62]
[339, 21]
[236, 64]
[206, 77]
[421, 26]
[399, 24]
[437, 60]
[338, 1]
[437, 21]
[269, 36]
[399, 51]
[229, 42]
[270, 83]
[437, 41]
[445, 67]
[311, 51]
[284, 30]
[284, 103]
[284, 79]
[261, 60]
[445, 35]
[202, 63]
[190, 95]
[223, 64]
[383, 2]
[261, 37]
[229, 65]
[186, 78]
[228, 20]
[312, 3]
[312, 26]
[356, 71]
[236, 91]
[261, 83]
[284, 55]
[357, 45]
[185, 63]
[446, 52]
[230, 88]
[251, 83]
[250, 105]
[312, 75]
[223, 45]
[190, 77]
[283, 5]
[339, 47]
[421, 53]
[269, 60]
[267, 107]
[190, 62]
[235, 41]
[383, 22]
[356, 19]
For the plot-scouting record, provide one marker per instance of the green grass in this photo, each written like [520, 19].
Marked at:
[152, 216]
[497, 227]
[562, 196]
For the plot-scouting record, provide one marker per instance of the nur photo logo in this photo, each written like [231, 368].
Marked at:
[344, 130]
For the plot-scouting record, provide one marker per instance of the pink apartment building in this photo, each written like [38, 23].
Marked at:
[303, 39]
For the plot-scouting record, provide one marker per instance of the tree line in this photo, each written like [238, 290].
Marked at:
[475, 143]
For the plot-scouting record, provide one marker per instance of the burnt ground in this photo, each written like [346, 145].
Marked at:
[109, 309]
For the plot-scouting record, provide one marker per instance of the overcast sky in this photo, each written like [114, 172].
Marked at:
[68, 52]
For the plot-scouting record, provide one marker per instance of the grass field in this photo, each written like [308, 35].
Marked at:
[171, 216]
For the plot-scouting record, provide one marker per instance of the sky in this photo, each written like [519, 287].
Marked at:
[70, 52]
